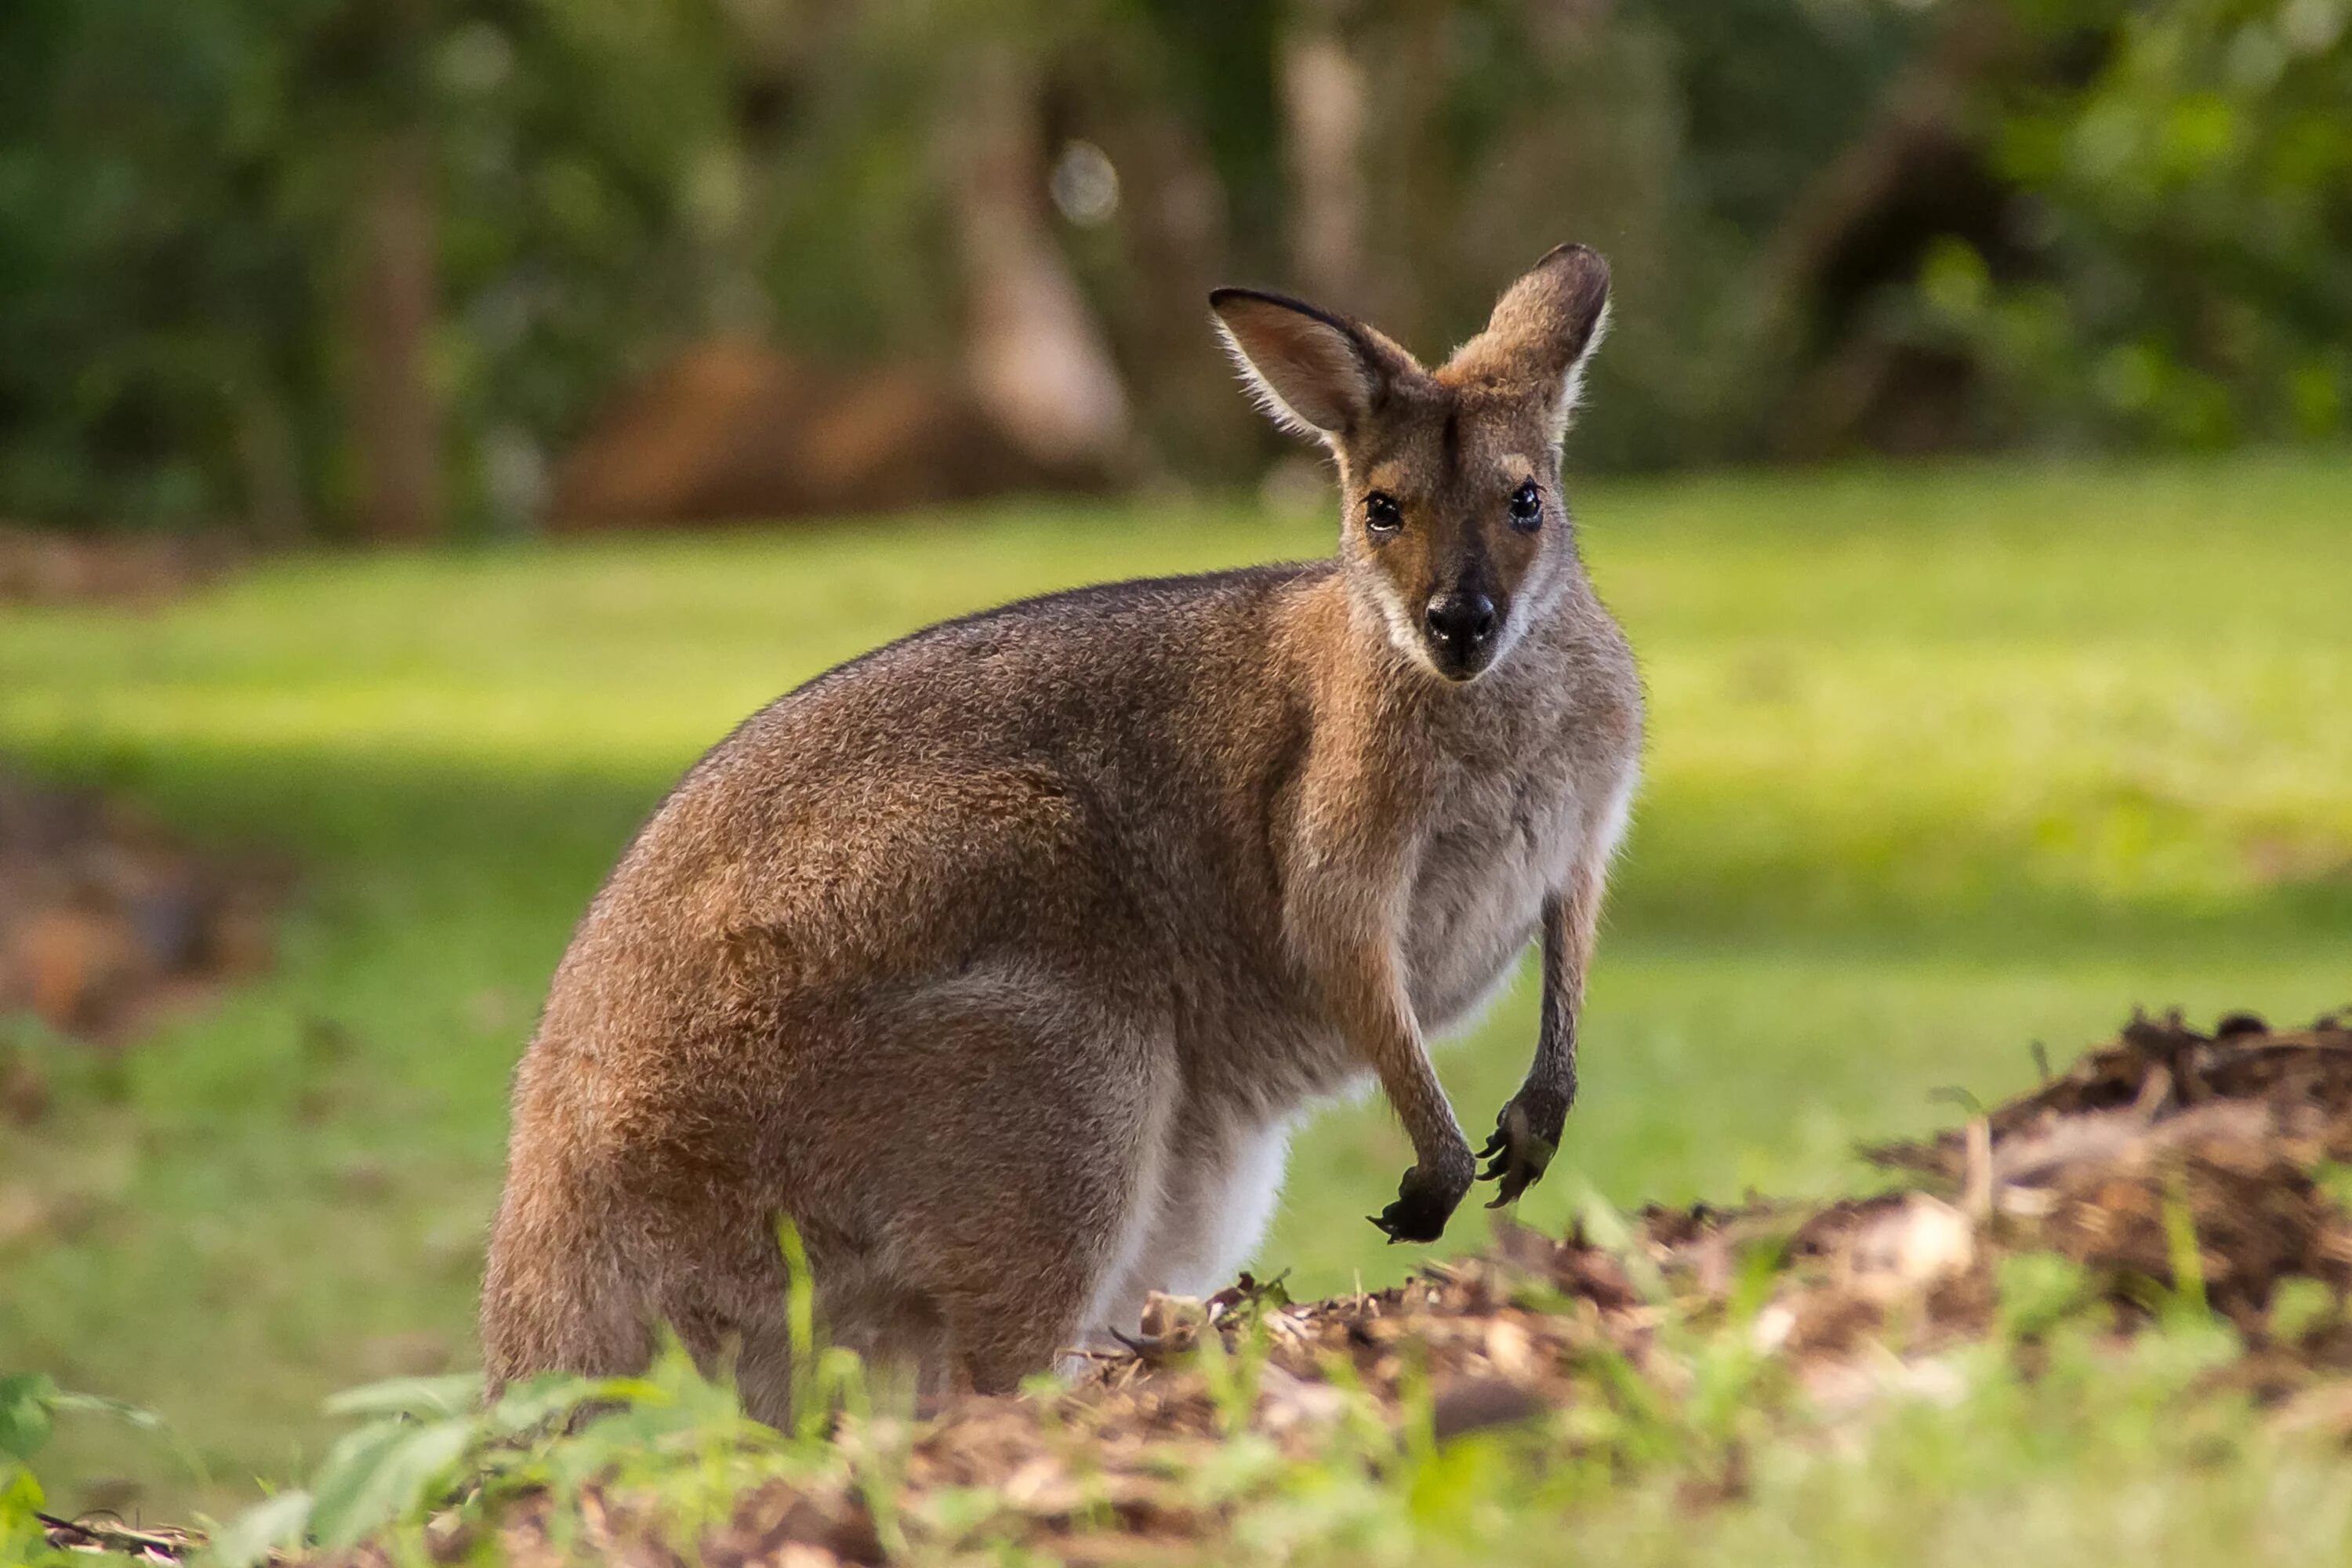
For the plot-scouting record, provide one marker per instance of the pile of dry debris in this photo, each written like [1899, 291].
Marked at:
[105, 918]
[42, 566]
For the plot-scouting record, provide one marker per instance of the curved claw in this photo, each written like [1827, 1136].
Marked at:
[1519, 1152]
[1142, 1345]
[1515, 1173]
[1517, 1182]
[1391, 1222]
[1424, 1204]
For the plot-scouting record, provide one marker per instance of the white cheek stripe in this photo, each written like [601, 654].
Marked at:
[1403, 633]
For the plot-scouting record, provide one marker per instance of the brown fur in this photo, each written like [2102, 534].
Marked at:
[1002, 959]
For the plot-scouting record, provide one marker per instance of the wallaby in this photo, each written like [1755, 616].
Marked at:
[1003, 960]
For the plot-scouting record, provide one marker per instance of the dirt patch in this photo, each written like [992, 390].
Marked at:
[40, 567]
[106, 920]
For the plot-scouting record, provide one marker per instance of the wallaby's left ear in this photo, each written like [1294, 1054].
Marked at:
[1544, 330]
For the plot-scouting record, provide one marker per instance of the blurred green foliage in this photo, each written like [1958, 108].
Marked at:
[176, 194]
[2141, 235]
[2188, 170]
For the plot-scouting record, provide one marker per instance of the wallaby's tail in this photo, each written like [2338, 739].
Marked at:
[559, 1295]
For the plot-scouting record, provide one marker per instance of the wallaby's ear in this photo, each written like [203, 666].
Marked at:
[1312, 371]
[1544, 330]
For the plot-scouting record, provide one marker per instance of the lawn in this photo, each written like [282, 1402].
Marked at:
[1943, 762]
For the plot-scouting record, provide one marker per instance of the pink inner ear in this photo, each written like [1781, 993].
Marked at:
[1309, 366]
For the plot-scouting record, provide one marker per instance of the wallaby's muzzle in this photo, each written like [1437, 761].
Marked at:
[1461, 626]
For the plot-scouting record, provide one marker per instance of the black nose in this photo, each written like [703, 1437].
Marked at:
[1461, 621]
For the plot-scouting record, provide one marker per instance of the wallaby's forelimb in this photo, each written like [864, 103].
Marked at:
[1346, 925]
[1528, 1132]
[1376, 1016]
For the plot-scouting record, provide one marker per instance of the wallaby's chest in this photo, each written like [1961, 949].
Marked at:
[1496, 842]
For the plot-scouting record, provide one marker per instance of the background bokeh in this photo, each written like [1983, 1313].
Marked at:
[425, 426]
[341, 267]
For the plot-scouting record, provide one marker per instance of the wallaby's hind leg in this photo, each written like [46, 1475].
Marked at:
[899, 1337]
[1056, 1101]
[970, 1159]
[720, 1283]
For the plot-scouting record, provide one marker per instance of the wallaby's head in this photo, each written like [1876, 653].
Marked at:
[1454, 526]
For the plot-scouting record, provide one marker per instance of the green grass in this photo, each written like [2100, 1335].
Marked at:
[1943, 761]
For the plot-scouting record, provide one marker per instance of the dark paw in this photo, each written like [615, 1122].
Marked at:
[1425, 1201]
[1527, 1135]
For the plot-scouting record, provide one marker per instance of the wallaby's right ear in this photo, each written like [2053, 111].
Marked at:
[1312, 371]
[1543, 331]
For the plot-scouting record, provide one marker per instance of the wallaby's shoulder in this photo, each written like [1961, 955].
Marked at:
[1152, 607]
[1072, 621]
[1084, 647]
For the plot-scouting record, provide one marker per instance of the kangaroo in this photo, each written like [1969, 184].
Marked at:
[1003, 960]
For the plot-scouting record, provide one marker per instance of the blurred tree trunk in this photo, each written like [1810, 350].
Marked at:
[272, 463]
[1920, 125]
[1323, 97]
[1919, 169]
[1176, 245]
[776, 47]
[396, 421]
[1038, 358]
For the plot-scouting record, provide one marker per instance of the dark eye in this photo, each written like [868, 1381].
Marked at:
[1526, 506]
[1381, 514]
